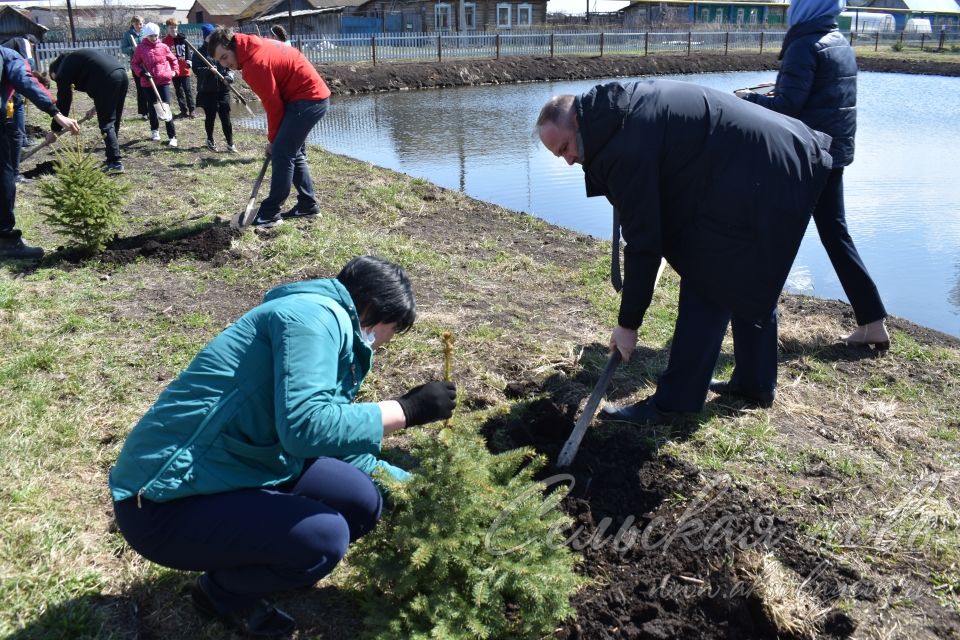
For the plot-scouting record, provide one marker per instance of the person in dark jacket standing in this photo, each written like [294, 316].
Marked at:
[254, 465]
[128, 45]
[720, 188]
[213, 94]
[817, 84]
[105, 80]
[15, 77]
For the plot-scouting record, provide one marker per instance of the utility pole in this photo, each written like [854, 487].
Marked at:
[73, 33]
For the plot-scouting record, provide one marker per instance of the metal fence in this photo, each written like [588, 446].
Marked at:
[390, 47]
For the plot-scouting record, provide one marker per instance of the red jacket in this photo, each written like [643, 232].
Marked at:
[182, 52]
[278, 75]
[157, 58]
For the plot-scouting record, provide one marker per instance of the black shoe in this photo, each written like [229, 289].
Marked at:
[297, 213]
[643, 413]
[112, 167]
[262, 620]
[267, 223]
[758, 398]
[13, 248]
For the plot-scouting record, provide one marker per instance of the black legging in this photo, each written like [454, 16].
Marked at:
[164, 91]
[214, 105]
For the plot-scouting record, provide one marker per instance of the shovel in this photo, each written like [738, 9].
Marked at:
[213, 69]
[245, 217]
[46, 143]
[572, 444]
[161, 107]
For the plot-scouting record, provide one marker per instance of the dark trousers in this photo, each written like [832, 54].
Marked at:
[289, 157]
[109, 106]
[11, 141]
[143, 102]
[214, 105]
[831, 220]
[183, 85]
[164, 91]
[255, 542]
[697, 339]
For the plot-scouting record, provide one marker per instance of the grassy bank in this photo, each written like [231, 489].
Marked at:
[860, 454]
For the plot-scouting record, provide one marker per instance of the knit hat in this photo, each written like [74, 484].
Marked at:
[206, 29]
[150, 29]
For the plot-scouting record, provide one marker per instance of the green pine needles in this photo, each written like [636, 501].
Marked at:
[83, 204]
[472, 548]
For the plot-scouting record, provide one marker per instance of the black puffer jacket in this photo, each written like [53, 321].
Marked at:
[721, 188]
[207, 80]
[817, 84]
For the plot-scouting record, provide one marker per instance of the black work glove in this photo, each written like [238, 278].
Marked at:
[429, 402]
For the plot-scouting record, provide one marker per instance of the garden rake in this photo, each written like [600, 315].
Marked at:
[245, 217]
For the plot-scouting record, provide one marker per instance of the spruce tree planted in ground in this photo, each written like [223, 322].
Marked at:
[82, 203]
[470, 548]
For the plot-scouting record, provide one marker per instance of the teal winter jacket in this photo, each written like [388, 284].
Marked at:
[272, 390]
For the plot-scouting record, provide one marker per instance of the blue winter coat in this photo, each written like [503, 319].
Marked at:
[274, 389]
[817, 84]
[15, 77]
[721, 188]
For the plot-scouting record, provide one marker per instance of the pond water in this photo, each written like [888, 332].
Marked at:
[902, 191]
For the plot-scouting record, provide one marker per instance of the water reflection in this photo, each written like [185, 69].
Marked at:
[901, 193]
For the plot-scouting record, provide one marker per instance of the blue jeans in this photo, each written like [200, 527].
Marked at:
[831, 221]
[697, 338]
[255, 542]
[11, 140]
[289, 157]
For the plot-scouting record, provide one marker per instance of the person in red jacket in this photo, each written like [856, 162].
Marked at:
[181, 82]
[294, 98]
[153, 60]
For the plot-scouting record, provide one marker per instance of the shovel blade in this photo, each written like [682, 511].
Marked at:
[163, 111]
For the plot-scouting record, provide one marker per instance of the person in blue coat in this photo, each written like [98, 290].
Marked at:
[15, 76]
[254, 465]
[720, 188]
[817, 84]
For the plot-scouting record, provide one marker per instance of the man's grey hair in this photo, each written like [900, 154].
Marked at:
[559, 111]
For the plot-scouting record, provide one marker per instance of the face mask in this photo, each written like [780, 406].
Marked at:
[368, 338]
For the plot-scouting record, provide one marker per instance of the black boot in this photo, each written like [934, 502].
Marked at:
[262, 620]
[13, 248]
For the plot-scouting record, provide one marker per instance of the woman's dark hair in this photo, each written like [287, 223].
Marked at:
[381, 290]
[279, 32]
[221, 37]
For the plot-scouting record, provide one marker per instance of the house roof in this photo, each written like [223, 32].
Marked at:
[933, 6]
[256, 9]
[15, 14]
[326, 6]
[223, 7]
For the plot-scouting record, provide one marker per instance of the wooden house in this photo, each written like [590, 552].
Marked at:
[222, 12]
[16, 23]
[457, 15]
[720, 14]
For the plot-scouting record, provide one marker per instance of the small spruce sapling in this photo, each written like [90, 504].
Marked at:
[472, 547]
[82, 203]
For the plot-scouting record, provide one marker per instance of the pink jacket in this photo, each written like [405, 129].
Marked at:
[158, 60]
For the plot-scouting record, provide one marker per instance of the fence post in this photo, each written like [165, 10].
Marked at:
[551, 44]
[497, 40]
[439, 48]
[601, 44]
[901, 39]
[943, 34]
[373, 48]
[761, 43]
[689, 40]
[646, 41]
[923, 38]
[876, 44]
[853, 37]
[726, 43]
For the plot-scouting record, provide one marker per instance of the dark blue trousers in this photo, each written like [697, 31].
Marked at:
[289, 157]
[697, 339]
[11, 140]
[830, 217]
[255, 542]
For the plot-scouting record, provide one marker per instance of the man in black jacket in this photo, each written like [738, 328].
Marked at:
[720, 188]
[104, 79]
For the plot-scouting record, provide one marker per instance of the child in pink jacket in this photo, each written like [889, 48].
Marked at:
[153, 59]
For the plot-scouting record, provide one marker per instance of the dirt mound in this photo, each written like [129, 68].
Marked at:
[365, 78]
[664, 544]
[202, 244]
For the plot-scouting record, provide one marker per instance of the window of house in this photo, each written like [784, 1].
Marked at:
[469, 15]
[200, 17]
[753, 16]
[503, 15]
[442, 16]
[525, 15]
[704, 15]
[739, 16]
[719, 17]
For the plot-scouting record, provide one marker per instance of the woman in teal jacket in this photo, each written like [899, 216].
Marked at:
[253, 465]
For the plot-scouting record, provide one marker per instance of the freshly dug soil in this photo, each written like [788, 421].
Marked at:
[204, 244]
[44, 168]
[347, 79]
